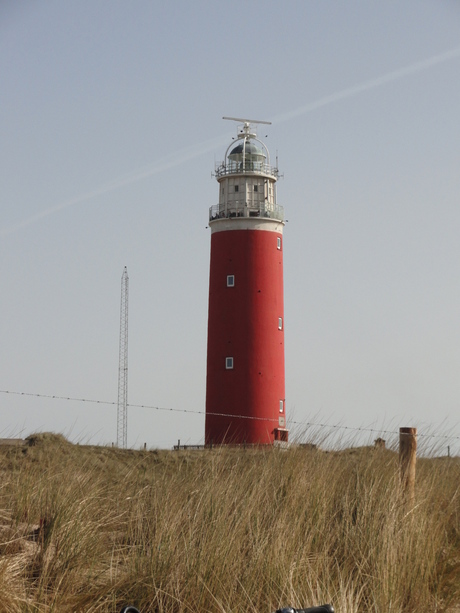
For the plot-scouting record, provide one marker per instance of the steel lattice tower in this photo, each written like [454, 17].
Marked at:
[122, 411]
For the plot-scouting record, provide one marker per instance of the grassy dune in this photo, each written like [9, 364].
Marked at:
[92, 528]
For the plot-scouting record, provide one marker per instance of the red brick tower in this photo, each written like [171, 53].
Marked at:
[245, 394]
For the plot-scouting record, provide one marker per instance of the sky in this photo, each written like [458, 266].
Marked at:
[111, 126]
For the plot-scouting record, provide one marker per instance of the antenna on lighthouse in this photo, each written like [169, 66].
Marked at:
[245, 132]
[269, 123]
[122, 408]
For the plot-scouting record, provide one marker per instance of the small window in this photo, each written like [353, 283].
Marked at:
[229, 363]
[237, 188]
[278, 243]
[281, 406]
[256, 188]
[230, 280]
[280, 323]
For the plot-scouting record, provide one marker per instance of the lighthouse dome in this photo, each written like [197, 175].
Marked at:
[249, 148]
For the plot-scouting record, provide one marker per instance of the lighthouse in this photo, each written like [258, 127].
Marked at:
[245, 390]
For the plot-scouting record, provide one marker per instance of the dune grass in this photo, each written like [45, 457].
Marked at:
[92, 528]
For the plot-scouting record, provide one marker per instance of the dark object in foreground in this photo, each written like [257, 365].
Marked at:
[323, 608]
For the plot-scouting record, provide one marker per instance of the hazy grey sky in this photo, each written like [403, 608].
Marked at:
[110, 127]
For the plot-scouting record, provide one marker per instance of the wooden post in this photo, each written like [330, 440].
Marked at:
[407, 460]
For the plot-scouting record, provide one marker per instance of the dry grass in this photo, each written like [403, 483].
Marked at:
[90, 528]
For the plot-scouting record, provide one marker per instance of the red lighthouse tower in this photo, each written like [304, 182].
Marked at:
[245, 394]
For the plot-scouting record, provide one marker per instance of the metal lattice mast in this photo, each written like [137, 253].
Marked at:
[122, 412]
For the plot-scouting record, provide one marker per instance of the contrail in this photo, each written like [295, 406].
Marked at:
[189, 153]
[371, 84]
[170, 161]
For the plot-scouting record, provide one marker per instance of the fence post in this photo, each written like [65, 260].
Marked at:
[407, 460]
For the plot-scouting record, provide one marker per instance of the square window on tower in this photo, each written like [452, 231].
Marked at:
[280, 323]
[281, 406]
[256, 188]
[229, 363]
[230, 280]
[237, 188]
[278, 243]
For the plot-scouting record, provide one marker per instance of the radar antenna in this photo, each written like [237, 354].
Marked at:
[246, 132]
[269, 123]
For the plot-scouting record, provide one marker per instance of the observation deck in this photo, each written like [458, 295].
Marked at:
[245, 167]
[243, 209]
